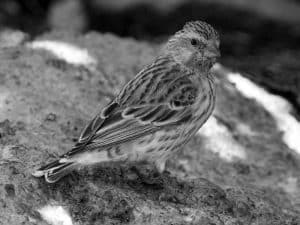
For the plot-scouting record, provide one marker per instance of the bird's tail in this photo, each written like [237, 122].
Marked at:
[54, 171]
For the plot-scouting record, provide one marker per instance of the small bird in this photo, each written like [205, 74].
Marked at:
[156, 112]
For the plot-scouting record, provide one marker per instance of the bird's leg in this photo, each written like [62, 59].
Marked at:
[144, 169]
[153, 173]
[160, 165]
[148, 173]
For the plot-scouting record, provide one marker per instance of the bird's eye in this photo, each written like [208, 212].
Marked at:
[194, 42]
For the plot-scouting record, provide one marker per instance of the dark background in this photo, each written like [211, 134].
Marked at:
[246, 26]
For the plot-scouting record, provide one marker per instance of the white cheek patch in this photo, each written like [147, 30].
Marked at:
[277, 106]
[186, 56]
[219, 140]
[55, 215]
[65, 51]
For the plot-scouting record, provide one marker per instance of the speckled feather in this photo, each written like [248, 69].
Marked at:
[202, 28]
[155, 113]
[159, 96]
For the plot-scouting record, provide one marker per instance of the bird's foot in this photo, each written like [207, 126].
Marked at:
[148, 174]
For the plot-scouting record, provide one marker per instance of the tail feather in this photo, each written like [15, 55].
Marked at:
[54, 171]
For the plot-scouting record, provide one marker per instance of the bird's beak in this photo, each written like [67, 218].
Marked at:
[212, 51]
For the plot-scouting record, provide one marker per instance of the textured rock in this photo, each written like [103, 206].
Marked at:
[46, 101]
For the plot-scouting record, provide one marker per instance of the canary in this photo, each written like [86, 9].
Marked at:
[156, 113]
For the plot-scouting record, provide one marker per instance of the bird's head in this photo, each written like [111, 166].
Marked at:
[195, 46]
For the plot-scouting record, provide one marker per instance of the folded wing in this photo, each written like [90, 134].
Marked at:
[134, 113]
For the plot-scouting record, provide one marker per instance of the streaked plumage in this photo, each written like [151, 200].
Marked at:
[157, 112]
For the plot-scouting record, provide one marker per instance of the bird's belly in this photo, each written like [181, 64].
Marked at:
[158, 145]
[154, 146]
[163, 143]
[147, 148]
[202, 112]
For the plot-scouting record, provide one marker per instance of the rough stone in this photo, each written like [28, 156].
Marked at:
[203, 188]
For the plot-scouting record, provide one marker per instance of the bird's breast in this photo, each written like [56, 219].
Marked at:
[204, 104]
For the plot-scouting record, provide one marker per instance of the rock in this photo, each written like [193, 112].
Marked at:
[11, 38]
[277, 70]
[48, 92]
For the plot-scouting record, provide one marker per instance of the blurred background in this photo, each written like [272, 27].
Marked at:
[258, 37]
[246, 26]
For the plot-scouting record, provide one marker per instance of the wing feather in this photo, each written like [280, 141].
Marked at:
[132, 115]
[97, 122]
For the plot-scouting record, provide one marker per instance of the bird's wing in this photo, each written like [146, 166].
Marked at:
[158, 96]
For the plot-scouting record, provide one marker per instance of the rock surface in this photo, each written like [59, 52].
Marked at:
[46, 100]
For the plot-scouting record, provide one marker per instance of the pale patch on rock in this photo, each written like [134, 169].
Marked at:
[245, 129]
[289, 185]
[277, 106]
[65, 51]
[11, 38]
[6, 153]
[3, 98]
[55, 215]
[219, 139]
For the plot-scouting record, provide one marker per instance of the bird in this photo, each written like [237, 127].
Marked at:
[156, 113]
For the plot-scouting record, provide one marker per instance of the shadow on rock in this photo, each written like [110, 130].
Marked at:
[114, 193]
